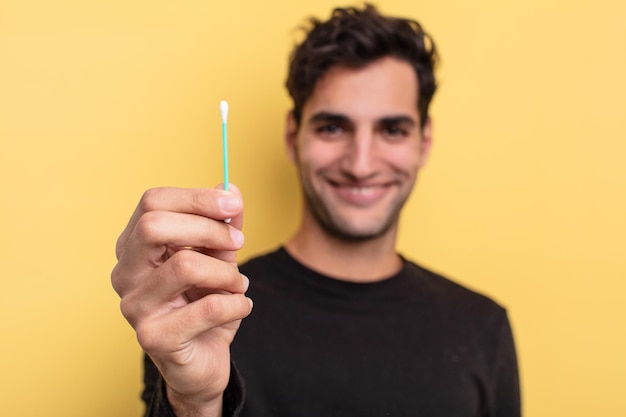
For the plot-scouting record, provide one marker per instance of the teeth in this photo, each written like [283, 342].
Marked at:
[362, 190]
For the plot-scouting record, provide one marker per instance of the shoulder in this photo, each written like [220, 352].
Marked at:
[464, 314]
[456, 297]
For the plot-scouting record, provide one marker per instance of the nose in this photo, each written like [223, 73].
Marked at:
[359, 159]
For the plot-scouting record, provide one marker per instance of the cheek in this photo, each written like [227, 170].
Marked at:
[404, 160]
[318, 155]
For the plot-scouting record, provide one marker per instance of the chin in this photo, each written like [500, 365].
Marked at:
[346, 231]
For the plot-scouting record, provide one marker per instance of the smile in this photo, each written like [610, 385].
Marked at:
[362, 190]
[361, 195]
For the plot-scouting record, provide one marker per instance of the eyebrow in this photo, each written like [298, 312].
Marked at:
[325, 117]
[329, 117]
[398, 120]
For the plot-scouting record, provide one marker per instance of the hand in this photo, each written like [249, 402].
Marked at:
[181, 290]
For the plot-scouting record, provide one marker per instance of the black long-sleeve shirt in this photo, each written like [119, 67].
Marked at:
[414, 344]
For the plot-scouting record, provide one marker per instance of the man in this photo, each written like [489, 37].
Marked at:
[342, 324]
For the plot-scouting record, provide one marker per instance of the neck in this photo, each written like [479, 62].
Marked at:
[363, 261]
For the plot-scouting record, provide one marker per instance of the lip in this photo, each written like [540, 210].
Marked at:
[361, 195]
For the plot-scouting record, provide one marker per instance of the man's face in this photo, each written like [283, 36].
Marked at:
[359, 147]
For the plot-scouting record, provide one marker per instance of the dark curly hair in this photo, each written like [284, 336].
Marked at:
[354, 38]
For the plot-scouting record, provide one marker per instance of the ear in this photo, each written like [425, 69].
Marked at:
[291, 134]
[426, 142]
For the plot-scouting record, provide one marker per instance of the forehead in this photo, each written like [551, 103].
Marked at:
[383, 88]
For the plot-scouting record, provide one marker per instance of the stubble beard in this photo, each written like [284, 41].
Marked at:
[338, 227]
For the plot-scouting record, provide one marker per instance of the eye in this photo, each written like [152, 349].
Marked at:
[330, 129]
[395, 132]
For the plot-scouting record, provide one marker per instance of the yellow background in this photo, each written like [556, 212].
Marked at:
[524, 198]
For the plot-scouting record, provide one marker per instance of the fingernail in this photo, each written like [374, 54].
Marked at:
[246, 282]
[229, 203]
[237, 236]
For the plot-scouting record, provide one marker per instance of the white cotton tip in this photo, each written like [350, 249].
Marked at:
[224, 111]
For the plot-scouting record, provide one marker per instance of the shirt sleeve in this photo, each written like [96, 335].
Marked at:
[506, 389]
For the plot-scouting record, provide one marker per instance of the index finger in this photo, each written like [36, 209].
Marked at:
[213, 203]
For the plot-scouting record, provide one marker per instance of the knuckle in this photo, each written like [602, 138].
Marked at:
[220, 309]
[212, 309]
[148, 337]
[127, 307]
[184, 263]
[199, 201]
[117, 280]
[151, 200]
[149, 225]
